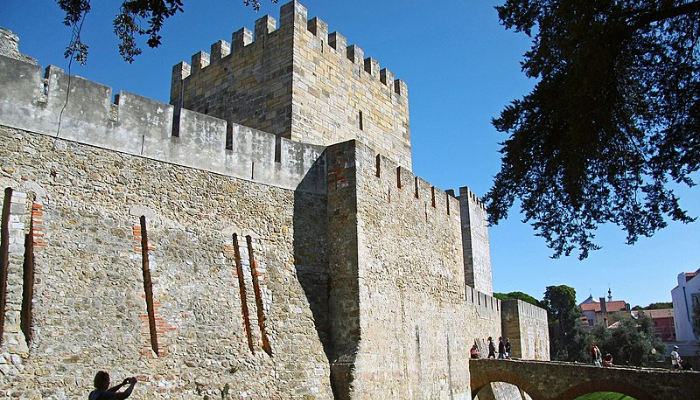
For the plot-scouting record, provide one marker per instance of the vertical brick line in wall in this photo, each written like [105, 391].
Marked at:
[28, 281]
[148, 286]
[241, 286]
[4, 256]
[258, 297]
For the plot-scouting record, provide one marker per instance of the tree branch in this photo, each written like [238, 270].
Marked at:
[646, 19]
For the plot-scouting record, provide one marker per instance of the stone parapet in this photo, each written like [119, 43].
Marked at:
[527, 327]
[475, 238]
[147, 128]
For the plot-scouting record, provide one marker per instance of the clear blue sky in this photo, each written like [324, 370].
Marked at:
[461, 68]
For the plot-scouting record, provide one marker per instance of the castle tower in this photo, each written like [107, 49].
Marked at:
[298, 82]
[475, 239]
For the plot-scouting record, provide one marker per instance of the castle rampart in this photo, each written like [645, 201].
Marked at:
[398, 253]
[212, 259]
[144, 127]
[526, 326]
[298, 82]
[475, 236]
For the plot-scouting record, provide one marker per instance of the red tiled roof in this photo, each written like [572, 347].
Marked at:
[656, 314]
[611, 306]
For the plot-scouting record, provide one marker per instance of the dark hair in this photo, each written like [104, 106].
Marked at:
[101, 380]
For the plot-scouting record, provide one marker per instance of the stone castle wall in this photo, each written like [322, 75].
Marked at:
[89, 307]
[209, 258]
[526, 326]
[475, 236]
[139, 126]
[410, 262]
[340, 95]
[399, 266]
[298, 82]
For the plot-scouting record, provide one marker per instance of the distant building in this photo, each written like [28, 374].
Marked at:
[686, 297]
[602, 311]
[664, 327]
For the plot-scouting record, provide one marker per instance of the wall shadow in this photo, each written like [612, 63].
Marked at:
[310, 223]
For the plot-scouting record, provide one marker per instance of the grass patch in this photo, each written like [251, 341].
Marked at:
[605, 396]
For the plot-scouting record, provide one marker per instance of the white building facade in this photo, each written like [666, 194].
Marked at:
[686, 297]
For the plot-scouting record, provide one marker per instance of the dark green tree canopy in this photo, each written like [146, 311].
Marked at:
[612, 124]
[517, 296]
[632, 343]
[567, 338]
[134, 18]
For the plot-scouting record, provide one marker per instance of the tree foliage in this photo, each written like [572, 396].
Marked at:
[632, 343]
[566, 335]
[659, 306]
[654, 306]
[134, 18]
[517, 296]
[612, 124]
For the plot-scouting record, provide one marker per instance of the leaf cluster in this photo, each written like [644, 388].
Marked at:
[612, 124]
[659, 306]
[129, 22]
[135, 18]
[631, 343]
[517, 296]
[567, 337]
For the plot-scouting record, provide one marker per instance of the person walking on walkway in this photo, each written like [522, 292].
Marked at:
[676, 362]
[492, 349]
[501, 349]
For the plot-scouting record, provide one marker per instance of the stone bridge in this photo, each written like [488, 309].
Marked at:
[544, 380]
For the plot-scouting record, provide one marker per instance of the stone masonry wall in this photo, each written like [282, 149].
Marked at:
[484, 315]
[298, 82]
[339, 95]
[247, 82]
[410, 334]
[90, 307]
[147, 128]
[475, 236]
[527, 327]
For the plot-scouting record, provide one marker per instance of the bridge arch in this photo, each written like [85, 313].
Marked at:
[544, 380]
[479, 381]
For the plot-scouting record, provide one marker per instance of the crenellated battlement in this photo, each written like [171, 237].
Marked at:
[267, 25]
[403, 185]
[131, 124]
[466, 192]
[300, 82]
[487, 306]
